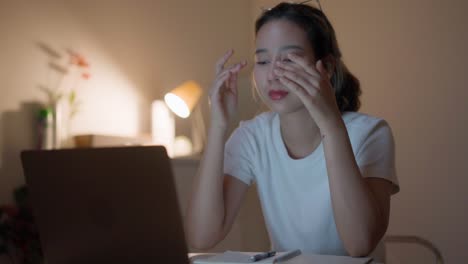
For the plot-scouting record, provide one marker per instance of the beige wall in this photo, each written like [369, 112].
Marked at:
[138, 50]
[410, 57]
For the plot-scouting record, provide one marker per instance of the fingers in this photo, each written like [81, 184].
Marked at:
[295, 88]
[219, 81]
[232, 84]
[306, 82]
[222, 61]
[305, 64]
[228, 77]
[295, 67]
[310, 83]
[232, 69]
[236, 67]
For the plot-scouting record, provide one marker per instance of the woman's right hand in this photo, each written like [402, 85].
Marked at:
[223, 93]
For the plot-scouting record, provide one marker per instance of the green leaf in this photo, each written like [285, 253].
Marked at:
[72, 97]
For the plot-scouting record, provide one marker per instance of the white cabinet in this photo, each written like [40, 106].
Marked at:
[248, 232]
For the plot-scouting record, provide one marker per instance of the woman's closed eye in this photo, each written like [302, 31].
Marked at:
[262, 62]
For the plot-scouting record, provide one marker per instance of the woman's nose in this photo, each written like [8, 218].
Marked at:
[272, 76]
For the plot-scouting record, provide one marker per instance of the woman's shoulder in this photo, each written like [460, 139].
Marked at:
[357, 120]
[364, 126]
[259, 123]
[251, 134]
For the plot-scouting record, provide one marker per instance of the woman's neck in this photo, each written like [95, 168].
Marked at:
[300, 133]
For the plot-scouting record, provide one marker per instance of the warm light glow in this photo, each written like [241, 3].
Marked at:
[177, 105]
[182, 146]
[111, 107]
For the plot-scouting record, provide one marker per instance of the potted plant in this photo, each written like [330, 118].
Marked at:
[19, 237]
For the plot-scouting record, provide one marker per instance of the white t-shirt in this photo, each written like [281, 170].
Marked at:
[295, 194]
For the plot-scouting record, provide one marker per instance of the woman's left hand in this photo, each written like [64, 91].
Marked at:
[311, 83]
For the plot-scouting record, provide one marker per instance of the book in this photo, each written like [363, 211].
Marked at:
[331, 259]
[236, 257]
[94, 140]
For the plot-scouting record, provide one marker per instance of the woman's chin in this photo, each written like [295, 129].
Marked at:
[285, 107]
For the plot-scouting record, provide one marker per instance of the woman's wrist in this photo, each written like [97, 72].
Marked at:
[332, 126]
[217, 129]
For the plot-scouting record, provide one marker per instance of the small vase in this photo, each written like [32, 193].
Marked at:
[56, 117]
[61, 124]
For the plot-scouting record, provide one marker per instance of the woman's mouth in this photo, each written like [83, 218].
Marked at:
[277, 94]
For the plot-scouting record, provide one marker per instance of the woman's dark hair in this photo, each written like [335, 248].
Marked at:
[324, 44]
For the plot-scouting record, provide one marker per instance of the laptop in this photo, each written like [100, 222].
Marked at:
[106, 205]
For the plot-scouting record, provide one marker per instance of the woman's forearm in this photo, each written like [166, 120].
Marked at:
[205, 214]
[357, 216]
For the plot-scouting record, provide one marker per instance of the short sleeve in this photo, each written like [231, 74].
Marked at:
[376, 155]
[239, 155]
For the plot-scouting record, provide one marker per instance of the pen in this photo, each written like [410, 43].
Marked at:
[262, 256]
[288, 255]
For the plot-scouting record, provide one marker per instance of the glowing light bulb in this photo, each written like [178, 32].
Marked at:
[177, 105]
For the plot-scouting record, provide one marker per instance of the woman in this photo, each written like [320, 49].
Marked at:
[324, 172]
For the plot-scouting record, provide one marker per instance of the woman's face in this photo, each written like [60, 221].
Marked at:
[275, 40]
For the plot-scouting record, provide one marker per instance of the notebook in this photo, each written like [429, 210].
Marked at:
[290, 257]
[236, 257]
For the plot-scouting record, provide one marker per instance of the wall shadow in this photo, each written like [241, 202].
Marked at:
[18, 132]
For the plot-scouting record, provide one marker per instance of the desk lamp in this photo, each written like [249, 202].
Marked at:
[182, 101]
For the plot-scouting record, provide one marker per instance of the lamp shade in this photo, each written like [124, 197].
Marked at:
[182, 99]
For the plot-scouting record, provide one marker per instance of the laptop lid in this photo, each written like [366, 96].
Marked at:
[106, 205]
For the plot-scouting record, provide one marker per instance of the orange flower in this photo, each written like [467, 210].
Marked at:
[81, 61]
[78, 59]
